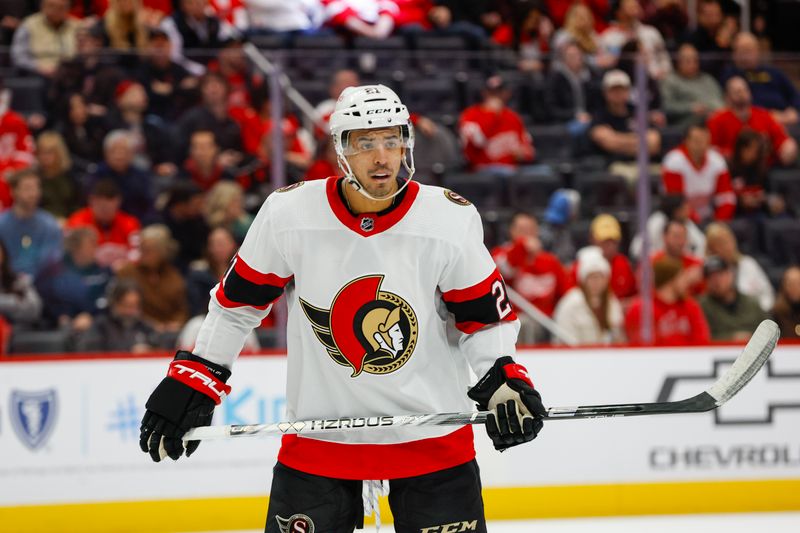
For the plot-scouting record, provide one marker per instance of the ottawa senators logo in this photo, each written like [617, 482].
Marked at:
[456, 198]
[366, 328]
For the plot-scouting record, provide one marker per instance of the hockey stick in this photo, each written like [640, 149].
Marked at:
[752, 358]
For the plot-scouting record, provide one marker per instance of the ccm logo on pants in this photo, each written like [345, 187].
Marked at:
[455, 527]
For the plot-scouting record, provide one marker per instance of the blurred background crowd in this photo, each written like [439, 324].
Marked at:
[136, 144]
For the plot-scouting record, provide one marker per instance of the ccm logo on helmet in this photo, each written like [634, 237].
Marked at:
[378, 111]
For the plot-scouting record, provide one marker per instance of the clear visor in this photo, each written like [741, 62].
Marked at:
[361, 142]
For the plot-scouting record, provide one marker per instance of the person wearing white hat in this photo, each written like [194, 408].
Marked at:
[590, 312]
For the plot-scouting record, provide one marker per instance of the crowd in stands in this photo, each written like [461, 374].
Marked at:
[130, 172]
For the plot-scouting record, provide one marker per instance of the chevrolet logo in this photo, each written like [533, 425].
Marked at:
[756, 404]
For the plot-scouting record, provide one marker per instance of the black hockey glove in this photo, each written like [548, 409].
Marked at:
[516, 408]
[183, 400]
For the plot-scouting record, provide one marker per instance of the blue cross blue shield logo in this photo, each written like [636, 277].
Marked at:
[33, 416]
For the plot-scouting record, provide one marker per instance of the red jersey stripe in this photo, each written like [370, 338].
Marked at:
[377, 461]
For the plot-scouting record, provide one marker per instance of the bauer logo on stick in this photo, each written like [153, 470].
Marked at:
[297, 523]
[366, 329]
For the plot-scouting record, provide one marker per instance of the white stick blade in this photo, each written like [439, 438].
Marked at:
[747, 365]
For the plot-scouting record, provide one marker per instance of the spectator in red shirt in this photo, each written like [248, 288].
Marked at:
[726, 124]
[537, 275]
[676, 240]
[16, 142]
[368, 19]
[700, 174]
[677, 318]
[118, 232]
[326, 163]
[606, 234]
[528, 32]
[493, 135]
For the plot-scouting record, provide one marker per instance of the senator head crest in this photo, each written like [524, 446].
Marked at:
[366, 328]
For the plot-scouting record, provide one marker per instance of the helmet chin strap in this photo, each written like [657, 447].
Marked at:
[351, 179]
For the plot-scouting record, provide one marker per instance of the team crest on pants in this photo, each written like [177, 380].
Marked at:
[366, 329]
[297, 523]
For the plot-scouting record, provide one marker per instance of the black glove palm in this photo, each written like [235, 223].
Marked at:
[516, 407]
[174, 407]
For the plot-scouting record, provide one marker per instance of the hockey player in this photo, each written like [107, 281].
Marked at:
[392, 298]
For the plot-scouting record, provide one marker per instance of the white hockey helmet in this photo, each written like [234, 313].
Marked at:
[370, 107]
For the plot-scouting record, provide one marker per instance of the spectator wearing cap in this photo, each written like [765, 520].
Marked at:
[164, 302]
[671, 206]
[740, 114]
[611, 129]
[700, 173]
[119, 149]
[212, 114]
[117, 232]
[120, 328]
[730, 314]
[627, 26]
[573, 89]
[786, 311]
[677, 318]
[60, 192]
[590, 312]
[676, 246]
[149, 132]
[606, 235]
[688, 93]
[770, 87]
[191, 27]
[531, 271]
[17, 152]
[750, 277]
[183, 215]
[554, 231]
[171, 89]
[493, 135]
[45, 38]
[31, 235]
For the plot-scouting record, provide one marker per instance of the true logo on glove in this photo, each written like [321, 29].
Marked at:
[191, 373]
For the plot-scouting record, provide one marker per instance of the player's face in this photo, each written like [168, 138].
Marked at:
[375, 157]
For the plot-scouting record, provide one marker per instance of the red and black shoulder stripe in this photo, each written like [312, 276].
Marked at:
[481, 304]
[243, 285]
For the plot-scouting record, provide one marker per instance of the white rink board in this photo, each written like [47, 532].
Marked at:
[91, 453]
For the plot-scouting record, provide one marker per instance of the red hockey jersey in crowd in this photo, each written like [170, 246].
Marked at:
[494, 138]
[116, 241]
[16, 144]
[707, 187]
[541, 280]
[725, 126]
[675, 324]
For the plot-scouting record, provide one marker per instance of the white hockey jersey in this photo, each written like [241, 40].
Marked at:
[387, 313]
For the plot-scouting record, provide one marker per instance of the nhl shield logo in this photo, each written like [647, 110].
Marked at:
[297, 523]
[33, 416]
[367, 224]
